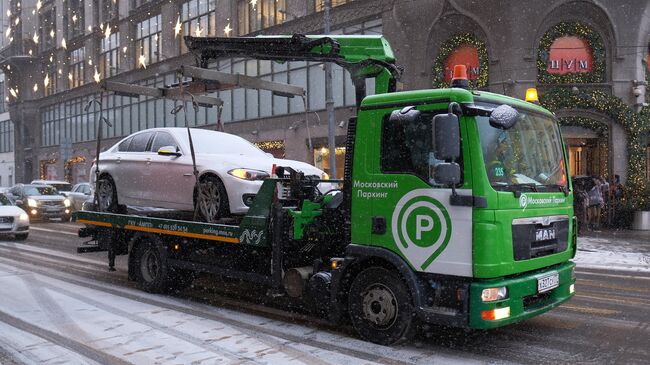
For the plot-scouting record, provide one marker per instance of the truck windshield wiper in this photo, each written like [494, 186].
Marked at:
[518, 188]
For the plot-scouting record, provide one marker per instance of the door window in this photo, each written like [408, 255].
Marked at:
[139, 142]
[124, 146]
[407, 147]
[162, 139]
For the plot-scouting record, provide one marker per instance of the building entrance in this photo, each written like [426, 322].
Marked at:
[587, 157]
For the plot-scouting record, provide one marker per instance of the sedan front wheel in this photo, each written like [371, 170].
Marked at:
[212, 199]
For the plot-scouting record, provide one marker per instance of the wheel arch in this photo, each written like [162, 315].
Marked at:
[362, 257]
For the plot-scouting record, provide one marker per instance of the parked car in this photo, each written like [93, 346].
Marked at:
[153, 168]
[78, 195]
[61, 186]
[13, 220]
[41, 201]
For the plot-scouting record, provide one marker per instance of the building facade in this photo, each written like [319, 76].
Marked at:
[589, 61]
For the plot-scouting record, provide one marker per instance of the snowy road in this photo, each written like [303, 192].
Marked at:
[60, 307]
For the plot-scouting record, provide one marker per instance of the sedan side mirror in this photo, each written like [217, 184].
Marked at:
[169, 151]
[19, 202]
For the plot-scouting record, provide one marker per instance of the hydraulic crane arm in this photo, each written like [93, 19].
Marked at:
[363, 56]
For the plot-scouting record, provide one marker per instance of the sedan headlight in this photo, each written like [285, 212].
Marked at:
[66, 202]
[23, 217]
[248, 174]
[32, 203]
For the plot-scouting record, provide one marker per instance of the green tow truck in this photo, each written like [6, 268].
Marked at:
[455, 208]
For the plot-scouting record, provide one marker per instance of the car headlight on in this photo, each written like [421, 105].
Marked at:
[23, 217]
[248, 174]
[32, 203]
[66, 202]
[493, 294]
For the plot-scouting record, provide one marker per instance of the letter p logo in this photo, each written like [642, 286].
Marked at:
[423, 223]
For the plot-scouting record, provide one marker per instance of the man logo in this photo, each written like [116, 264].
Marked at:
[421, 228]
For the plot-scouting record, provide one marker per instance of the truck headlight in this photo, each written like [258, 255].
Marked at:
[23, 217]
[66, 202]
[32, 203]
[493, 294]
[248, 174]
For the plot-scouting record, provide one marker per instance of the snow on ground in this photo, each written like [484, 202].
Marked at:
[612, 253]
[129, 329]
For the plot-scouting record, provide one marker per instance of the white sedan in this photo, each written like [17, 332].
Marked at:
[13, 220]
[153, 168]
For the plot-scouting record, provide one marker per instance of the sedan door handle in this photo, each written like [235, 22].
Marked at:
[119, 159]
[188, 174]
[148, 161]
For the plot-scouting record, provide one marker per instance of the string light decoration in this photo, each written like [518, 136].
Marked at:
[69, 164]
[450, 46]
[636, 127]
[582, 31]
[43, 167]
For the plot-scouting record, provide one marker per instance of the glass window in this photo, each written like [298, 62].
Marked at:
[319, 5]
[76, 68]
[74, 18]
[124, 146]
[47, 24]
[109, 58]
[162, 139]
[139, 142]
[528, 154]
[198, 19]
[148, 41]
[407, 147]
[254, 16]
[108, 10]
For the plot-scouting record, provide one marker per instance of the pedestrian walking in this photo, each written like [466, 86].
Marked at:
[595, 205]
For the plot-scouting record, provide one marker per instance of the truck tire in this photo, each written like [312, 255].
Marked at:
[380, 307]
[152, 271]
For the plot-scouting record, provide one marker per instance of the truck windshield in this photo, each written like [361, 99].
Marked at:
[527, 156]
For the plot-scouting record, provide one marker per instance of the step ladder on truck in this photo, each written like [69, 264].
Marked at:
[426, 229]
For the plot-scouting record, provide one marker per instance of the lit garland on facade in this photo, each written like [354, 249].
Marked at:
[450, 46]
[579, 30]
[636, 126]
[43, 167]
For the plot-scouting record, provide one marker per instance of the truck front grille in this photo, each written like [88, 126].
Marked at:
[539, 236]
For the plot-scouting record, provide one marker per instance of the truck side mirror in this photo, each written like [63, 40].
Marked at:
[504, 117]
[446, 134]
[447, 173]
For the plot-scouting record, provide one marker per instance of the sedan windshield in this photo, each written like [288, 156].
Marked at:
[527, 155]
[222, 143]
[40, 190]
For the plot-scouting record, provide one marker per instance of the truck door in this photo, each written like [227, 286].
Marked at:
[422, 224]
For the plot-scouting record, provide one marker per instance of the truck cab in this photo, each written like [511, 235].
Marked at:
[493, 246]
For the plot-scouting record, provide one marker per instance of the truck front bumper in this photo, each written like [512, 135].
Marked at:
[523, 300]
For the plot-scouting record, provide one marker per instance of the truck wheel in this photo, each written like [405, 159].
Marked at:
[107, 195]
[152, 270]
[212, 200]
[380, 307]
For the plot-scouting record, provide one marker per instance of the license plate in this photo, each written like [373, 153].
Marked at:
[548, 282]
[545, 234]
